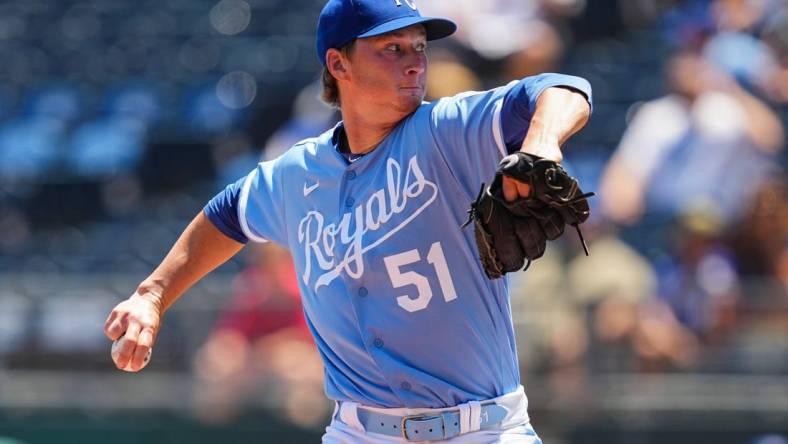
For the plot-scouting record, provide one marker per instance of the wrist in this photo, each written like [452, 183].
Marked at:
[541, 142]
[153, 294]
[544, 150]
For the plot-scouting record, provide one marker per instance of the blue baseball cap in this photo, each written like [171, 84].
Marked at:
[343, 21]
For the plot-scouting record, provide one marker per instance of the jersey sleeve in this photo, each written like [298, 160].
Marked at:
[252, 208]
[476, 130]
[222, 211]
[520, 103]
[467, 129]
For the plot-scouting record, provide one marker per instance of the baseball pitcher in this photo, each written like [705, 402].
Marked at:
[410, 312]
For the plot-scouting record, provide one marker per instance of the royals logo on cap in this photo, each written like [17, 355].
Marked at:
[410, 3]
[343, 21]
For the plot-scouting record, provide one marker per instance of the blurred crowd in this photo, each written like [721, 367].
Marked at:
[689, 264]
[688, 270]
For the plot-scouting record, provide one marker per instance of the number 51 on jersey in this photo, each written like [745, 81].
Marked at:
[437, 259]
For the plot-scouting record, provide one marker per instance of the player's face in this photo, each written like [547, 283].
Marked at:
[391, 70]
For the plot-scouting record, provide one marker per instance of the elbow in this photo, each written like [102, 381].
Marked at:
[578, 105]
[585, 110]
[583, 95]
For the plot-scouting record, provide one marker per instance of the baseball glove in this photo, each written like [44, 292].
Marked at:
[511, 234]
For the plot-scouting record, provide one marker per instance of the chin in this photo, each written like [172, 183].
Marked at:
[410, 103]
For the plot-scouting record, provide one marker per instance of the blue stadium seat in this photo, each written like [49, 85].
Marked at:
[29, 147]
[107, 146]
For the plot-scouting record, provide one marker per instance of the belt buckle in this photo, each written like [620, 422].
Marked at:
[414, 417]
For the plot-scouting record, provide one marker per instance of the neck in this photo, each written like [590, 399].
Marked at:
[364, 133]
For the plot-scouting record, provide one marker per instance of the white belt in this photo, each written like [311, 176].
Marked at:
[415, 425]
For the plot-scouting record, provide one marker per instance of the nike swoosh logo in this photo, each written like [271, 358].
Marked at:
[308, 189]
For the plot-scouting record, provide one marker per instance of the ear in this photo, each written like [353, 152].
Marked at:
[337, 64]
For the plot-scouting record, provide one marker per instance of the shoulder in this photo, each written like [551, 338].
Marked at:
[460, 106]
[301, 150]
[475, 96]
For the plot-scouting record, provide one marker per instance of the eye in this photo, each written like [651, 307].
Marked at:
[421, 47]
[394, 47]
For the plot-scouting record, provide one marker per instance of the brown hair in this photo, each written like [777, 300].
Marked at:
[330, 93]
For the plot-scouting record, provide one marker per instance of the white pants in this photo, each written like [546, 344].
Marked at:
[345, 427]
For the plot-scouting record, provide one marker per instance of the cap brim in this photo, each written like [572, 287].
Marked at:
[437, 28]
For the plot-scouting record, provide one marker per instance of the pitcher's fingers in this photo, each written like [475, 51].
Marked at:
[144, 344]
[523, 189]
[509, 189]
[146, 338]
[115, 326]
[108, 323]
[138, 360]
[127, 345]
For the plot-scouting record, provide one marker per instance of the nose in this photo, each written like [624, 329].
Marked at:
[416, 64]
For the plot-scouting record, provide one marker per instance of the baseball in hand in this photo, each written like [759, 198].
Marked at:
[116, 351]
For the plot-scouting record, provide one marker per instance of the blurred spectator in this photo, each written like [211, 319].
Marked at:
[492, 28]
[596, 314]
[747, 59]
[699, 281]
[707, 142]
[776, 36]
[761, 317]
[516, 35]
[261, 349]
[688, 23]
[742, 15]
[760, 238]
[747, 38]
[661, 342]
[449, 76]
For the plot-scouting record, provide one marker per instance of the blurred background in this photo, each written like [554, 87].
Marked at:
[120, 119]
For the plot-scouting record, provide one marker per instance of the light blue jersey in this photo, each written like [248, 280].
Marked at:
[393, 291]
